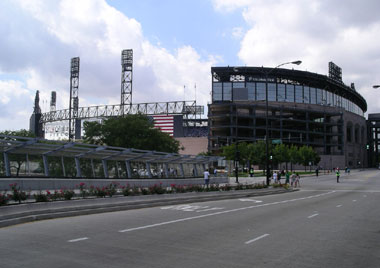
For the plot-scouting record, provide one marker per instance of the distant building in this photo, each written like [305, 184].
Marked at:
[304, 108]
[373, 144]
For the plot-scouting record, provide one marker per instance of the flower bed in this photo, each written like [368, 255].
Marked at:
[114, 188]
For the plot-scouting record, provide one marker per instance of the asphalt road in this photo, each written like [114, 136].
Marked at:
[324, 225]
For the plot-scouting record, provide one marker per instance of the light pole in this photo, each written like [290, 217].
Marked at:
[298, 62]
[373, 153]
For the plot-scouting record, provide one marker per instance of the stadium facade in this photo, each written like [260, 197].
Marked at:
[304, 108]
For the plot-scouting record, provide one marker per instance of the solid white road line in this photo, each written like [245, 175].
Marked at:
[78, 239]
[220, 213]
[255, 239]
[312, 216]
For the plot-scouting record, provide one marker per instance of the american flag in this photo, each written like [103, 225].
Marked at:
[165, 123]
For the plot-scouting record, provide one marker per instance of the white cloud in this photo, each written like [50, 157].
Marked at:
[315, 32]
[96, 32]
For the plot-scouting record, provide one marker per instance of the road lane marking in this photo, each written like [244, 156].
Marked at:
[354, 200]
[78, 239]
[255, 239]
[191, 208]
[250, 200]
[338, 206]
[312, 216]
[208, 209]
[364, 195]
[218, 213]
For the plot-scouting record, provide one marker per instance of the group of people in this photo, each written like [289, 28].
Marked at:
[292, 179]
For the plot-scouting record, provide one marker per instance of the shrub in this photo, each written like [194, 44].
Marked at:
[82, 190]
[17, 195]
[226, 187]
[57, 195]
[42, 197]
[4, 198]
[126, 190]
[144, 191]
[67, 194]
[157, 189]
[100, 192]
[112, 189]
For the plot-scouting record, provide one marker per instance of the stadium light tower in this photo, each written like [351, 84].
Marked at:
[376, 86]
[298, 62]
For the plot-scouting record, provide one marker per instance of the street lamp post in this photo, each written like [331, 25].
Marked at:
[298, 62]
[371, 152]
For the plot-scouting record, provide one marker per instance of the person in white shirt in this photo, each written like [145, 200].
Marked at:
[206, 175]
[275, 177]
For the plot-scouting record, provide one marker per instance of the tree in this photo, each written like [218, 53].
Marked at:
[16, 159]
[294, 157]
[243, 152]
[307, 155]
[131, 131]
[281, 154]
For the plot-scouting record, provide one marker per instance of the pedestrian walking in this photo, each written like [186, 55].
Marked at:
[251, 172]
[297, 181]
[287, 177]
[279, 177]
[206, 175]
[337, 175]
[293, 179]
[316, 171]
[275, 177]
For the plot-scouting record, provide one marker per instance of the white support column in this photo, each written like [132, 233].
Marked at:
[148, 169]
[77, 164]
[27, 164]
[46, 165]
[195, 170]
[182, 170]
[166, 170]
[7, 165]
[105, 168]
[92, 168]
[128, 168]
[63, 166]
[118, 169]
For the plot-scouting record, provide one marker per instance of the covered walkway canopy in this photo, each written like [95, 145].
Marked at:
[94, 158]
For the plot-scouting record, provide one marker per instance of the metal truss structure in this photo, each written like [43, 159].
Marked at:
[186, 108]
[100, 157]
[74, 98]
[126, 80]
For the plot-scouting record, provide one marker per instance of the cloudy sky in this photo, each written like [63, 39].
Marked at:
[175, 43]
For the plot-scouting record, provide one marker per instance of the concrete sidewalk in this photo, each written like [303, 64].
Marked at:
[28, 212]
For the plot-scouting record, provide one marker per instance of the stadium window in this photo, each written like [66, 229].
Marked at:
[281, 92]
[251, 91]
[299, 94]
[227, 91]
[271, 92]
[260, 91]
[217, 92]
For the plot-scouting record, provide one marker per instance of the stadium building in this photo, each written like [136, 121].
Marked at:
[304, 108]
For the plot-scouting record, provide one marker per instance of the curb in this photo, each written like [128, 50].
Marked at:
[34, 212]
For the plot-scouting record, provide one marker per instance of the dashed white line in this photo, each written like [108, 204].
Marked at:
[312, 216]
[255, 239]
[219, 213]
[338, 206]
[354, 200]
[78, 239]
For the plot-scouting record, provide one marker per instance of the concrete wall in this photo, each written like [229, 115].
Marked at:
[57, 184]
[193, 145]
